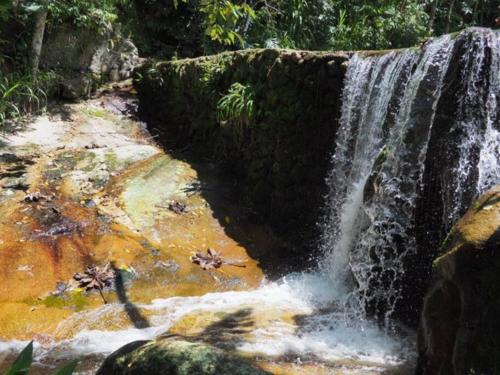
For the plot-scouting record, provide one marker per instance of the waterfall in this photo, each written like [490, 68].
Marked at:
[389, 107]
[418, 140]
[369, 88]
[475, 119]
[489, 161]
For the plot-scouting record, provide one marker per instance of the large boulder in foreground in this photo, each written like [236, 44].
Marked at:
[167, 357]
[460, 325]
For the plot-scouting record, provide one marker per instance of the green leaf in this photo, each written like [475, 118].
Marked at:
[68, 369]
[11, 90]
[23, 362]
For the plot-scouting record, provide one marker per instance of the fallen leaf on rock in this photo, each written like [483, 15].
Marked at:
[25, 268]
[177, 207]
[212, 260]
[37, 197]
[95, 278]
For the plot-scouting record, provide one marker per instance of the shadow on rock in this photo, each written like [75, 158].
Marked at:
[132, 311]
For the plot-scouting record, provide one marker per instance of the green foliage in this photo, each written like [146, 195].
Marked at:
[5, 5]
[235, 110]
[205, 26]
[212, 73]
[383, 24]
[22, 364]
[20, 94]
[451, 16]
[166, 28]
[224, 19]
[90, 14]
[303, 24]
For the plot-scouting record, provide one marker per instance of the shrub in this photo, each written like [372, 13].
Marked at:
[20, 94]
[235, 110]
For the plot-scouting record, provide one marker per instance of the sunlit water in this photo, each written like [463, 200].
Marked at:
[325, 333]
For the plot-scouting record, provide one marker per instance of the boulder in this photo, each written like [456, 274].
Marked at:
[460, 326]
[86, 55]
[174, 357]
[78, 86]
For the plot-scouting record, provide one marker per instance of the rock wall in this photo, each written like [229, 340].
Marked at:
[460, 330]
[278, 147]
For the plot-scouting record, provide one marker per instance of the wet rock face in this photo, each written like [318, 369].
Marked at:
[460, 330]
[176, 358]
[85, 186]
[87, 58]
[281, 156]
[460, 120]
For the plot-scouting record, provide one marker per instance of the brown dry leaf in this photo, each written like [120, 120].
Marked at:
[212, 260]
[95, 277]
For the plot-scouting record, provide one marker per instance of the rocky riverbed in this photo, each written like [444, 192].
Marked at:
[86, 185]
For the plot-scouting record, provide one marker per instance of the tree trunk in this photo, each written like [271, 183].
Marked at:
[432, 16]
[450, 12]
[37, 41]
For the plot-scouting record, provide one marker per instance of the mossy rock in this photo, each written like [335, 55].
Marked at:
[460, 329]
[174, 357]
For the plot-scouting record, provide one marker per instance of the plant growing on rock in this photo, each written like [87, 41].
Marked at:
[19, 96]
[235, 110]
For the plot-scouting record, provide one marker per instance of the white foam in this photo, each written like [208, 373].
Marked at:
[327, 336]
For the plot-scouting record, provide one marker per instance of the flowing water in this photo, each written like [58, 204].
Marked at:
[340, 316]
[477, 120]
[364, 253]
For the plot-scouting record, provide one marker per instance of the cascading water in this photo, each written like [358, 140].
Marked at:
[390, 106]
[383, 220]
[369, 88]
[378, 166]
[475, 121]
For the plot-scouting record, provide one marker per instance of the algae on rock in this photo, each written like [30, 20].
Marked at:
[460, 329]
[175, 358]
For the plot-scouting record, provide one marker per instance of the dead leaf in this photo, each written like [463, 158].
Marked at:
[212, 260]
[177, 207]
[95, 278]
[37, 197]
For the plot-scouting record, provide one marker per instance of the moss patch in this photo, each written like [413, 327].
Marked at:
[175, 357]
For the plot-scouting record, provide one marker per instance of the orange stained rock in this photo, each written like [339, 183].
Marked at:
[47, 242]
